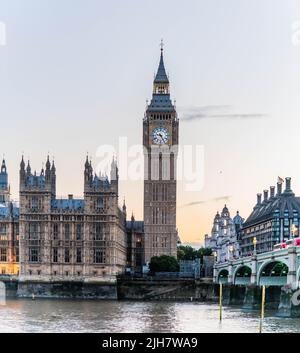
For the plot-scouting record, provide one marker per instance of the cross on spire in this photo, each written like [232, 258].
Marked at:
[162, 45]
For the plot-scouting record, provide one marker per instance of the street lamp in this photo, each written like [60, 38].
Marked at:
[230, 252]
[254, 243]
[215, 256]
[294, 230]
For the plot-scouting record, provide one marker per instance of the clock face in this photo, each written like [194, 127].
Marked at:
[160, 136]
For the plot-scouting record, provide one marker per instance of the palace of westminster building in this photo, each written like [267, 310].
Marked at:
[46, 238]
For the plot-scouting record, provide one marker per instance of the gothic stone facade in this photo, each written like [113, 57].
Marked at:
[9, 228]
[70, 239]
[160, 141]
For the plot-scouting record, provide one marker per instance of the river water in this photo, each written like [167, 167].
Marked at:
[130, 317]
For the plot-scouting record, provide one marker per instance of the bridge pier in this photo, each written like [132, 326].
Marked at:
[289, 305]
[292, 274]
[253, 270]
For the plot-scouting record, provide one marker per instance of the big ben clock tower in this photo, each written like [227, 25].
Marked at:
[160, 140]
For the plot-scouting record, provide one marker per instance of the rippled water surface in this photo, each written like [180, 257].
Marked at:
[114, 316]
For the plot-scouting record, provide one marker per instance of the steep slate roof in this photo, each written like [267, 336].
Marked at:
[161, 76]
[100, 182]
[67, 204]
[35, 180]
[137, 226]
[8, 210]
[284, 202]
[161, 103]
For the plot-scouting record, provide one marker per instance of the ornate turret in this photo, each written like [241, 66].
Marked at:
[114, 175]
[28, 169]
[4, 187]
[3, 176]
[225, 212]
[161, 101]
[161, 80]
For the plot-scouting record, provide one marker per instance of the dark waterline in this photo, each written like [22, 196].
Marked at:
[115, 316]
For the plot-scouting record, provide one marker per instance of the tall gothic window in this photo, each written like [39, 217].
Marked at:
[34, 254]
[67, 232]
[79, 232]
[78, 255]
[3, 255]
[67, 255]
[55, 255]
[99, 205]
[98, 231]
[33, 231]
[55, 231]
[34, 203]
[99, 256]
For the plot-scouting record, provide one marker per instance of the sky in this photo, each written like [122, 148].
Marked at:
[75, 75]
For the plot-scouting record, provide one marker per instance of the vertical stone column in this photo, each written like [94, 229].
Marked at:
[292, 274]
[230, 273]
[215, 274]
[254, 270]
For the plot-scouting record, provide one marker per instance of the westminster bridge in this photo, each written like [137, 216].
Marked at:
[274, 268]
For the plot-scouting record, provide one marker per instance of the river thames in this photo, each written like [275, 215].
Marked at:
[132, 317]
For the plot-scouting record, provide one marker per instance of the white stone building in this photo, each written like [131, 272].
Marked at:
[224, 236]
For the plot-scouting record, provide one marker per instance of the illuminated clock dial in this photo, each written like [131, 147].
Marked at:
[160, 136]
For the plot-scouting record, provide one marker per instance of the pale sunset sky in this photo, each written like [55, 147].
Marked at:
[75, 75]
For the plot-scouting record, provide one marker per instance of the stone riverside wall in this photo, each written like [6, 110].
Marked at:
[280, 299]
[166, 289]
[277, 298]
[67, 290]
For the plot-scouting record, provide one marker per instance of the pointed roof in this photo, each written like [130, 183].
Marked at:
[22, 164]
[161, 76]
[3, 166]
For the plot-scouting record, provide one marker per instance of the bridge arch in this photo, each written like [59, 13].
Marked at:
[223, 276]
[242, 275]
[273, 273]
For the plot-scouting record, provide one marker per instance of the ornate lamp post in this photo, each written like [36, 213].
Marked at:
[215, 256]
[294, 230]
[254, 244]
[230, 252]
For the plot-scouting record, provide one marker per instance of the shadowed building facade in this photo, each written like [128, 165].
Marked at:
[160, 141]
[273, 220]
[70, 239]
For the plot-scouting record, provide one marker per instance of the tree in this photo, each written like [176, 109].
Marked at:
[163, 263]
[189, 253]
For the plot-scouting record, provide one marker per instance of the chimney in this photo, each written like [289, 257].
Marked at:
[266, 193]
[258, 199]
[272, 192]
[70, 197]
[288, 184]
[279, 189]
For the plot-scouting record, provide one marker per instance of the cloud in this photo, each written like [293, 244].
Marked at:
[216, 112]
[215, 199]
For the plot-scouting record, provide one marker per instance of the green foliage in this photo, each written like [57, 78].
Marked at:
[164, 263]
[189, 253]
